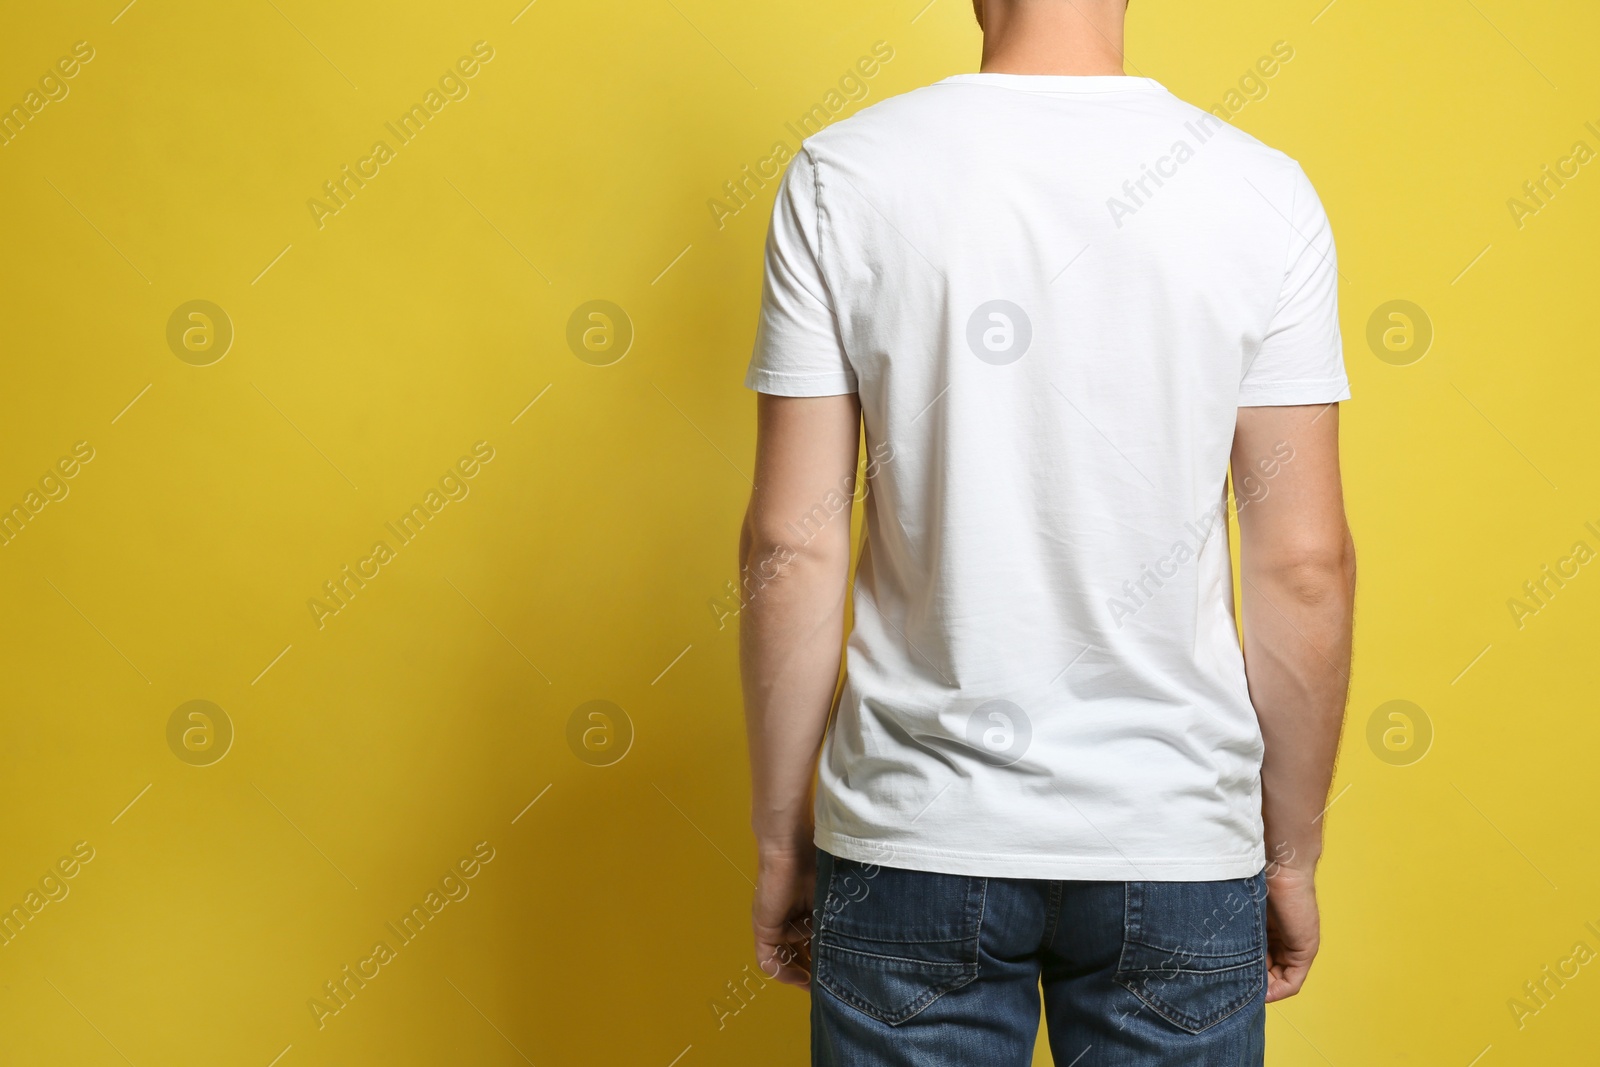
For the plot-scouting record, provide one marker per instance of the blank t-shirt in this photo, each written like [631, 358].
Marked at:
[1052, 294]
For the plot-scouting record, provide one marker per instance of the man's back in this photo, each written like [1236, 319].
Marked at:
[1063, 305]
[1052, 294]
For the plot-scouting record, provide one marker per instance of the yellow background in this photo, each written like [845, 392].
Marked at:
[371, 754]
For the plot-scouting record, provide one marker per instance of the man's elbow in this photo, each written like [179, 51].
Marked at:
[771, 553]
[772, 556]
[1316, 574]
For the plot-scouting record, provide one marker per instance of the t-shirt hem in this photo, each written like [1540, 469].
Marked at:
[1286, 394]
[1065, 868]
[778, 383]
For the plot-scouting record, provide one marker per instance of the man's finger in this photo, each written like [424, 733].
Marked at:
[1284, 981]
[781, 962]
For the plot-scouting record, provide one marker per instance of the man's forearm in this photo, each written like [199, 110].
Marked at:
[790, 634]
[1297, 631]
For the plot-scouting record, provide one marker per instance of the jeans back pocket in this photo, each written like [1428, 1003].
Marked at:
[1195, 952]
[888, 941]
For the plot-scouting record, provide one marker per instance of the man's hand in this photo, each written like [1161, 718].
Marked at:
[781, 914]
[1293, 930]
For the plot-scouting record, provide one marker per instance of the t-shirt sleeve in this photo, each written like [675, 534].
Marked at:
[1301, 358]
[798, 350]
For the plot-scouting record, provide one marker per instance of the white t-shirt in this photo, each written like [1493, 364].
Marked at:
[1052, 294]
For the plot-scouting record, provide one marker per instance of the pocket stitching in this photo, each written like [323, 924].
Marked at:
[966, 970]
[903, 940]
[1251, 962]
[1183, 1020]
[911, 1010]
[1242, 957]
[1133, 907]
[960, 965]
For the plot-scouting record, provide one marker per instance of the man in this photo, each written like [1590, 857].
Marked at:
[1061, 303]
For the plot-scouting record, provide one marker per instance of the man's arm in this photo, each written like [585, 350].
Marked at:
[1297, 563]
[791, 628]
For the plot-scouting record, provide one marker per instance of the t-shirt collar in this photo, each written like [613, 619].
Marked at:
[1057, 83]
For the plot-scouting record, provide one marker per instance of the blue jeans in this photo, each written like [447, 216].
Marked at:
[937, 970]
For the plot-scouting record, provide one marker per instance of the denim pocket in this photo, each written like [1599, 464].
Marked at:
[889, 942]
[1194, 952]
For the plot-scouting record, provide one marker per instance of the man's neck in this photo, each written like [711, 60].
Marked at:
[1071, 38]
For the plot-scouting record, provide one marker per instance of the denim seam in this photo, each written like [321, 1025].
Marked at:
[1251, 962]
[901, 940]
[1253, 953]
[819, 906]
[1054, 906]
[960, 965]
[1129, 906]
[977, 925]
